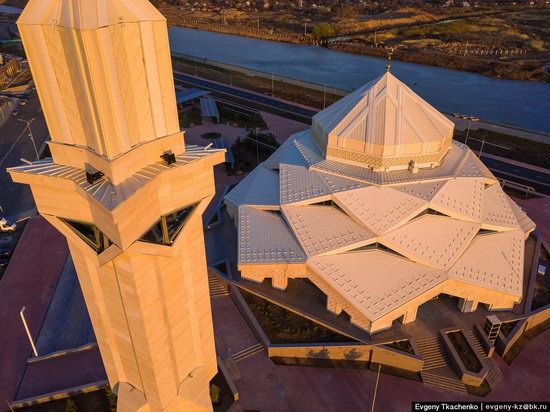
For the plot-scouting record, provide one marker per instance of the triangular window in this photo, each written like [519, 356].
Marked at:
[90, 234]
[166, 230]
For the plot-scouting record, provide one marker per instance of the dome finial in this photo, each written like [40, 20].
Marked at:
[388, 64]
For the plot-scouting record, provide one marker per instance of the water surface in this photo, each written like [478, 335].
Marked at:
[521, 103]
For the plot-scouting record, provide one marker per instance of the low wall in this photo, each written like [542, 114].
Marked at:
[349, 352]
[373, 354]
[467, 376]
[503, 343]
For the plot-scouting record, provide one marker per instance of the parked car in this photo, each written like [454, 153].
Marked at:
[5, 254]
[24, 102]
[15, 112]
[6, 226]
[474, 119]
[4, 264]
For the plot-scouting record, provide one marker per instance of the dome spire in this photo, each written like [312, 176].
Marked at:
[388, 64]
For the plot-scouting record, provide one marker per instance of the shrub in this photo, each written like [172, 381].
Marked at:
[215, 394]
[324, 30]
[70, 406]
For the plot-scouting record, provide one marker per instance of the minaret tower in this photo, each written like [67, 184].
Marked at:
[127, 193]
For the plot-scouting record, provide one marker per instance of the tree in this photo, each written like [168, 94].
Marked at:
[70, 406]
[324, 30]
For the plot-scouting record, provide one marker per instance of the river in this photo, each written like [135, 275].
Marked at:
[520, 103]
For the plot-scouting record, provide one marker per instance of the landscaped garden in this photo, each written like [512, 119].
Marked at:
[507, 327]
[190, 117]
[402, 345]
[283, 326]
[252, 150]
[465, 351]
[541, 296]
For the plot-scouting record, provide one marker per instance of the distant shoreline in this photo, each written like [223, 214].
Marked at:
[494, 68]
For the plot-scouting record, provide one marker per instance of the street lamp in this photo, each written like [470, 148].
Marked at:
[28, 122]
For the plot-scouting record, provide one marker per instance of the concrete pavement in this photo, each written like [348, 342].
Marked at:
[14, 145]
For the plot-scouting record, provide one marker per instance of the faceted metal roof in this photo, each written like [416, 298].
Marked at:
[338, 231]
[435, 220]
[384, 119]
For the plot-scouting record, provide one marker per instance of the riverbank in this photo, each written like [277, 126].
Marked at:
[469, 41]
[506, 70]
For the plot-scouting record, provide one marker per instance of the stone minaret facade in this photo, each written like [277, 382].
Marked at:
[127, 193]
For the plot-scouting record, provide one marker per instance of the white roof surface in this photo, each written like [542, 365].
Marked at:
[255, 247]
[384, 118]
[260, 188]
[338, 232]
[436, 219]
[493, 261]
[436, 241]
[376, 282]
[380, 209]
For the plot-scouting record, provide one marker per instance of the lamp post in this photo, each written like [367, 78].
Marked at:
[468, 132]
[376, 387]
[28, 122]
[22, 314]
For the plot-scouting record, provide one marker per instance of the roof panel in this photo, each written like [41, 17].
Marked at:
[460, 197]
[260, 188]
[376, 282]
[380, 209]
[494, 261]
[436, 241]
[337, 232]
[298, 184]
[265, 238]
[497, 213]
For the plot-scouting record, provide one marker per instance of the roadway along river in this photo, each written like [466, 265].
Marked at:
[524, 104]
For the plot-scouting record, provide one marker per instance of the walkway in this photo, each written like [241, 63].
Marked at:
[29, 281]
[273, 388]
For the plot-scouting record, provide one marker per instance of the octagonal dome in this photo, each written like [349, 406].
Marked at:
[89, 14]
[384, 126]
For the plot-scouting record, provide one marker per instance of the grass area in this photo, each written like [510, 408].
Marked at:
[263, 85]
[402, 345]
[190, 117]
[241, 117]
[465, 351]
[224, 398]
[283, 326]
[507, 327]
[248, 154]
[102, 400]
[504, 145]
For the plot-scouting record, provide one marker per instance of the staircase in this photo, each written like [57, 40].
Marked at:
[443, 382]
[433, 352]
[494, 377]
[474, 337]
[245, 353]
[217, 286]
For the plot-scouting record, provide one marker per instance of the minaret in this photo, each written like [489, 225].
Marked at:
[127, 193]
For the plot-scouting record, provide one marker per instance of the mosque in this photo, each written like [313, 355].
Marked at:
[380, 209]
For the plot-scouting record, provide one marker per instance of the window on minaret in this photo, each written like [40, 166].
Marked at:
[90, 234]
[167, 229]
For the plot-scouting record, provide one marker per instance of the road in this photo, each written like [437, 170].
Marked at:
[14, 145]
[534, 178]
[249, 98]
